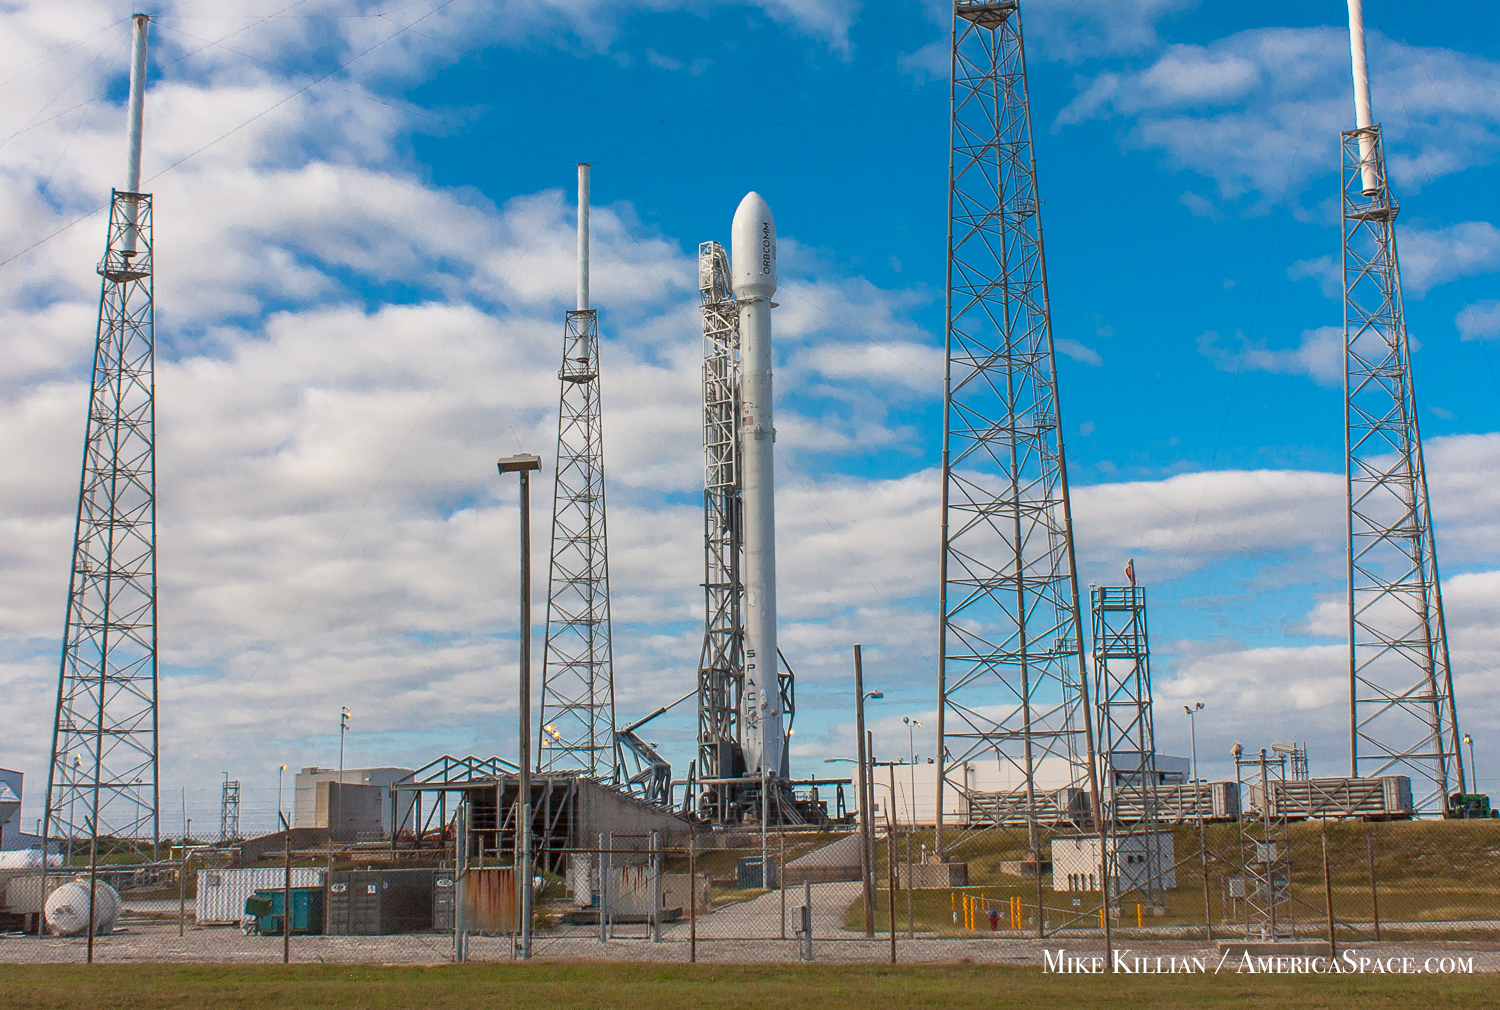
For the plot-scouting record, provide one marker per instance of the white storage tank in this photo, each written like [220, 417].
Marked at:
[68, 908]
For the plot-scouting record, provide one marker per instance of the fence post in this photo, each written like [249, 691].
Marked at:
[890, 858]
[781, 877]
[1333, 943]
[656, 887]
[807, 918]
[286, 905]
[1208, 915]
[1374, 894]
[182, 870]
[604, 886]
[692, 896]
[460, 887]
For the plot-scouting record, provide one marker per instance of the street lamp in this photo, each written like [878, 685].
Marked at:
[522, 465]
[1473, 772]
[1192, 714]
[281, 822]
[338, 808]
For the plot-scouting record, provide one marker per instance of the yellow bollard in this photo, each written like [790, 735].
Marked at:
[1101, 917]
[1139, 919]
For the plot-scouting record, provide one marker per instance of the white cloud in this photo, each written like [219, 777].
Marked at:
[1479, 321]
[1318, 355]
[1259, 112]
[1079, 351]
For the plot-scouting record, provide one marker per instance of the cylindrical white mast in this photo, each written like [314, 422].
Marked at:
[753, 277]
[136, 114]
[137, 102]
[583, 237]
[1362, 117]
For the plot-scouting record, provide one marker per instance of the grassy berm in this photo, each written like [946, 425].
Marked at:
[659, 987]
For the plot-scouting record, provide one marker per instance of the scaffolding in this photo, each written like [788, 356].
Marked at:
[1265, 889]
[229, 809]
[1012, 680]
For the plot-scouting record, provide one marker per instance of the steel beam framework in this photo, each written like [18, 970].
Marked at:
[1012, 680]
[578, 684]
[1127, 734]
[1402, 716]
[103, 776]
[721, 669]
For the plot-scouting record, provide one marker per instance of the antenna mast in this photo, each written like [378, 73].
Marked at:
[1402, 716]
[107, 686]
[578, 679]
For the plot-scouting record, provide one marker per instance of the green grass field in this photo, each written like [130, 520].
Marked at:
[764, 987]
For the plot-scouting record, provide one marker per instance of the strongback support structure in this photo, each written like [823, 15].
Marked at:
[1127, 735]
[1012, 680]
[1402, 715]
[721, 670]
[578, 688]
[102, 782]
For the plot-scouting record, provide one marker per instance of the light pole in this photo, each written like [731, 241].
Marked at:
[522, 465]
[1473, 773]
[911, 750]
[1192, 714]
[338, 825]
[866, 804]
[281, 822]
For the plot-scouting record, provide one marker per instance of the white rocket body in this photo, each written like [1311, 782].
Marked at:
[753, 277]
[1363, 118]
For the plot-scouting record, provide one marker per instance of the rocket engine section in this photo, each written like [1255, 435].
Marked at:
[753, 276]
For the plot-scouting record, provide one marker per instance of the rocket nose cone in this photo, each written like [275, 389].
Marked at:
[753, 248]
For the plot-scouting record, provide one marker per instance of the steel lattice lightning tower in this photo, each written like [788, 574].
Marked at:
[578, 682]
[1402, 716]
[1127, 734]
[721, 672]
[107, 688]
[1011, 674]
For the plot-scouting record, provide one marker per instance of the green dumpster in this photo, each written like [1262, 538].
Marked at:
[265, 907]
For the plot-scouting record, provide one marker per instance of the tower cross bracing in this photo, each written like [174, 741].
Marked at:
[721, 664]
[1012, 680]
[1402, 715]
[103, 775]
[578, 701]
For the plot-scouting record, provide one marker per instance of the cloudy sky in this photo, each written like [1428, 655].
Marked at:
[365, 236]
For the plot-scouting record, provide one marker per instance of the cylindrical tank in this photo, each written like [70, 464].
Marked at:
[68, 908]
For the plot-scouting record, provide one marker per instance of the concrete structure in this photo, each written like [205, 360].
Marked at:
[306, 812]
[1135, 859]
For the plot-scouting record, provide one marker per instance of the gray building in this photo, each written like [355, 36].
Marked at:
[309, 812]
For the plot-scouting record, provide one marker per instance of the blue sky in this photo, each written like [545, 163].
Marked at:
[364, 264]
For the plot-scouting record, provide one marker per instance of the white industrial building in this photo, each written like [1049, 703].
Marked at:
[1075, 862]
[360, 818]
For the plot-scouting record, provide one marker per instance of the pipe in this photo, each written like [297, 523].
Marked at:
[136, 113]
[583, 237]
[1363, 119]
[753, 273]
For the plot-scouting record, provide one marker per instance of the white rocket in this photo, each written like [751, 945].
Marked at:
[753, 277]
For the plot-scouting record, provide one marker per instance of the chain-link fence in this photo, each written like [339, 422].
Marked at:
[781, 895]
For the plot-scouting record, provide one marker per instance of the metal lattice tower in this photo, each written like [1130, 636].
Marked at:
[1127, 735]
[103, 776]
[1264, 850]
[1011, 675]
[578, 682]
[1402, 716]
[721, 673]
[229, 809]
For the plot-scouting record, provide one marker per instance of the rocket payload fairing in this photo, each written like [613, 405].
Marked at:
[753, 277]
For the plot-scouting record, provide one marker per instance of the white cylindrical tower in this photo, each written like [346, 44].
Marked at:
[753, 277]
[583, 237]
[136, 114]
[1362, 116]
